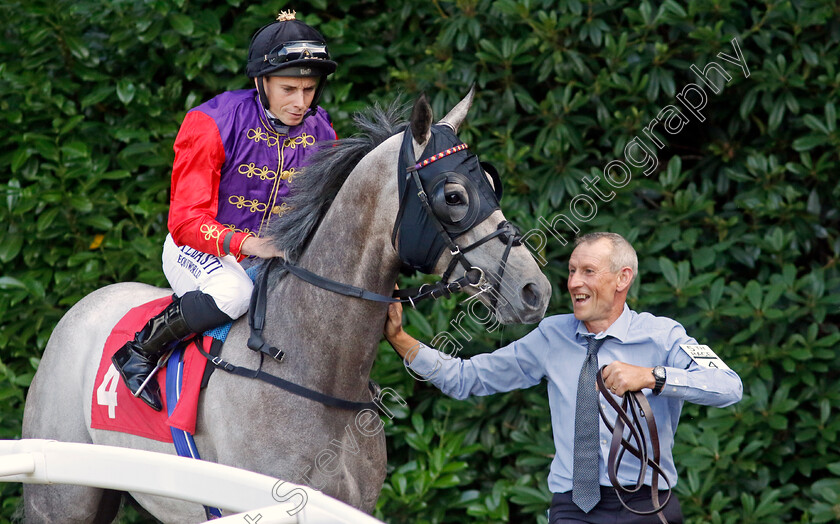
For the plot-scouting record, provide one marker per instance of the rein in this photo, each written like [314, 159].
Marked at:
[256, 342]
[634, 406]
[291, 387]
[256, 321]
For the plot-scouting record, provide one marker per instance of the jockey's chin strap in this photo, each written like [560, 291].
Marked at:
[634, 406]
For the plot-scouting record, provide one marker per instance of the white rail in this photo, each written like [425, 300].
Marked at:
[36, 461]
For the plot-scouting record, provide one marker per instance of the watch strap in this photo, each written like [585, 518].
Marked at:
[660, 380]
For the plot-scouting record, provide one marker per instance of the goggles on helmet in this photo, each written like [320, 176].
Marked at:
[301, 50]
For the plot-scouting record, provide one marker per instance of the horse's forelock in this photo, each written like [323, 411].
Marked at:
[314, 190]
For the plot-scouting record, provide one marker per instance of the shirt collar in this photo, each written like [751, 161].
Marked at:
[617, 329]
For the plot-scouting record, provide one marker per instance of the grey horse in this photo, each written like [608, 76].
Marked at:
[330, 340]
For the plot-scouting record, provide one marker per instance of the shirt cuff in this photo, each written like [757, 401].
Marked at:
[236, 244]
[676, 383]
[426, 361]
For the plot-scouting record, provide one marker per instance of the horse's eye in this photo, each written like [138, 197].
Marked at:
[453, 199]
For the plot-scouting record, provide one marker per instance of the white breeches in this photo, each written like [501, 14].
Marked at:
[188, 269]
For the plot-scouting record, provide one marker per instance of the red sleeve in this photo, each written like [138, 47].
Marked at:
[194, 203]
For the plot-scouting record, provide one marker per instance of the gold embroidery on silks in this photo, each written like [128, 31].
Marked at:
[281, 210]
[270, 208]
[236, 229]
[302, 140]
[266, 218]
[254, 206]
[250, 170]
[210, 231]
[288, 175]
[258, 135]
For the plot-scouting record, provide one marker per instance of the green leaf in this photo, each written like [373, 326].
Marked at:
[815, 124]
[776, 115]
[125, 91]
[11, 283]
[76, 46]
[47, 218]
[669, 271]
[753, 293]
[181, 23]
[116, 175]
[71, 124]
[419, 322]
[703, 257]
[830, 117]
[10, 246]
[20, 157]
[100, 222]
[809, 142]
[75, 150]
[81, 203]
[97, 95]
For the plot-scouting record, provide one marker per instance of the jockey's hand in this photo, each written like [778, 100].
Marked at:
[401, 341]
[260, 247]
[620, 378]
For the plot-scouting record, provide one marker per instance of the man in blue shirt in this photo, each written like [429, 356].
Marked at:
[641, 352]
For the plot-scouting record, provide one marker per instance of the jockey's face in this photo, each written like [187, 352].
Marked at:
[289, 97]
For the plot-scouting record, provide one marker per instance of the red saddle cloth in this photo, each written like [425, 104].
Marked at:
[114, 408]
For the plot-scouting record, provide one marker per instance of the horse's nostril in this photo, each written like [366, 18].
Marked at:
[530, 296]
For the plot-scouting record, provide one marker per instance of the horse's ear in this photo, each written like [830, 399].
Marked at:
[458, 113]
[421, 119]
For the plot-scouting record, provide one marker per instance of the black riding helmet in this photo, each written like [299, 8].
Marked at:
[288, 47]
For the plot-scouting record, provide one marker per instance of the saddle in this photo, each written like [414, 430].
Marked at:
[114, 408]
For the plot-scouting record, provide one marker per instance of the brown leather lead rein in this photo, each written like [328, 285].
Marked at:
[634, 407]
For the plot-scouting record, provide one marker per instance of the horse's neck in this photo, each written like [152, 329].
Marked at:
[352, 245]
[353, 242]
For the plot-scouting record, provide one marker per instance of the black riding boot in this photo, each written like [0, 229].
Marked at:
[138, 357]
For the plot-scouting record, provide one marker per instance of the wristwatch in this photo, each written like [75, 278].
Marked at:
[659, 375]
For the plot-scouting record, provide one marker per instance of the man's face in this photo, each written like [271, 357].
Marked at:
[593, 286]
[289, 97]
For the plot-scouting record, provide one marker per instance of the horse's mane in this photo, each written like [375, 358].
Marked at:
[314, 190]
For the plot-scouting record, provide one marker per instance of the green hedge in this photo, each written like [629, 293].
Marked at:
[736, 228]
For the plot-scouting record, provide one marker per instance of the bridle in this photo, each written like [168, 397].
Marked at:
[416, 224]
[419, 229]
[634, 406]
[420, 233]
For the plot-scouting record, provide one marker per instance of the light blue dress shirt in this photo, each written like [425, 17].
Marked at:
[556, 350]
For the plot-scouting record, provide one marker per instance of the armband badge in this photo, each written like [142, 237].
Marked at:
[704, 356]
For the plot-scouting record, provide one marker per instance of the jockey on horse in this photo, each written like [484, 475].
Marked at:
[235, 159]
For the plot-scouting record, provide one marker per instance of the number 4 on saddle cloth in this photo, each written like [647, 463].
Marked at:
[113, 406]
